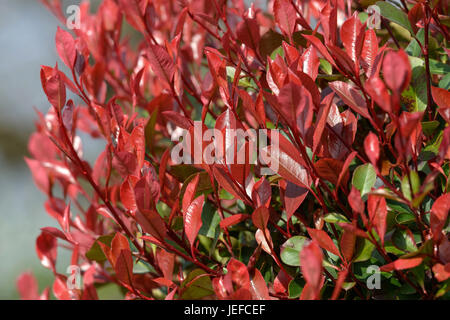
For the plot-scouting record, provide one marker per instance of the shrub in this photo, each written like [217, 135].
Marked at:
[353, 203]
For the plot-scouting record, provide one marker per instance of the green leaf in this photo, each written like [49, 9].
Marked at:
[210, 222]
[418, 86]
[326, 66]
[402, 241]
[95, 253]
[364, 178]
[394, 14]
[334, 217]
[428, 127]
[197, 289]
[405, 218]
[364, 249]
[445, 82]
[413, 48]
[406, 186]
[437, 67]
[290, 250]
[295, 287]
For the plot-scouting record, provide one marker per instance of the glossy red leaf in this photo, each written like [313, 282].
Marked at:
[189, 193]
[193, 218]
[161, 63]
[311, 266]
[352, 36]
[324, 240]
[234, 219]
[260, 217]
[329, 169]
[293, 196]
[401, 264]
[152, 223]
[46, 249]
[65, 45]
[369, 52]
[396, 71]
[439, 214]
[285, 16]
[258, 287]
[377, 208]
[347, 244]
[351, 96]
[372, 148]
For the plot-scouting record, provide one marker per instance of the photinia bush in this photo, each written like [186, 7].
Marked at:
[295, 150]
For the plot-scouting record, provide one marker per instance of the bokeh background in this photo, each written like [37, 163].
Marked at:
[27, 33]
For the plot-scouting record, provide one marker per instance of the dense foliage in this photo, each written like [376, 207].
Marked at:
[362, 106]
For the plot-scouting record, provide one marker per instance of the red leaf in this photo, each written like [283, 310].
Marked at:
[402, 264]
[340, 281]
[311, 62]
[352, 35]
[234, 219]
[152, 223]
[27, 286]
[355, 201]
[322, 120]
[60, 289]
[260, 217]
[369, 51]
[118, 244]
[247, 31]
[65, 45]
[193, 218]
[372, 148]
[441, 272]
[178, 119]
[439, 214]
[377, 90]
[162, 64]
[56, 92]
[127, 196]
[351, 96]
[264, 239]
[166, 261]
[46, 248]
[258, 287]
[189, 194]
[285, 16]
[262, 192]
[293, 196]
[329, 169]
[320, 47]
[324, 240]
[442, 99]
[124, 267]
[311, 265]
[288, 167]
[226, 182]
[376, 205]
[347, 244]
[397, 71]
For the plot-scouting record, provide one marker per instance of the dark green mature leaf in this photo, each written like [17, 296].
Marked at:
[394, 14]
